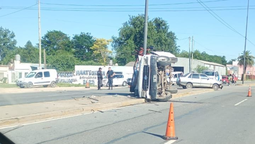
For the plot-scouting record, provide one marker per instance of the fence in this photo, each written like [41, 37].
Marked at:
[250, 77]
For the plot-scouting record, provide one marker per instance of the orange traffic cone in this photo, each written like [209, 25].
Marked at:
[170, 129]
[87, 85]
[249, 92]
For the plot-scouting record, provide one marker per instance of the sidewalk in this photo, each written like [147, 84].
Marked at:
[42, 89]
[16, 115]
[30, 113]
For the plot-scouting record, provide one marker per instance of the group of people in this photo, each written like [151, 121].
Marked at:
[231, 79]
[109, 75]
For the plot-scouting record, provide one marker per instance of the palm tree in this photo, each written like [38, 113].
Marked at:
[249, 60]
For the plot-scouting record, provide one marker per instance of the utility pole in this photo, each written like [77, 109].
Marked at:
[39, 34]
[244, 64]
[192, 52]
[145, 27]
[44, 59]
[189, 57]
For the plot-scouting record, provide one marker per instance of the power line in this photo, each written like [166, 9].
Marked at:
[119, 9]
[186, 3]
[18, 10]
[133, 10]
[221, 20]
[182, 39]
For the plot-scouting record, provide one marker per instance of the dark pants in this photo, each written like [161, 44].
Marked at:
[110, 81]
[99, 83]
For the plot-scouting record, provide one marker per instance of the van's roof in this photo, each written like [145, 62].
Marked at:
[44, 70]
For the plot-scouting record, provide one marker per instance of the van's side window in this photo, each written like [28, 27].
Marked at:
[46, 74]
[38, 75]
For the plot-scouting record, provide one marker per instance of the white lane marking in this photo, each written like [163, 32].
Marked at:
[170, 142]
[240, 102]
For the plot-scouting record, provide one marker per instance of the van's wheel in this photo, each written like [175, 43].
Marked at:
[215, 87]
[124, 83]
[163, 60]
[53, 84]
[189, 85]
[29, 85]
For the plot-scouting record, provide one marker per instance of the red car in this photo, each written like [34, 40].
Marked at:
[225, 79]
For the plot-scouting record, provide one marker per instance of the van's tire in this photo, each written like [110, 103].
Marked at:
[124, 83]
[29, 85]
[166, 98]
[53, 84]
[163, 60]
[189, 85]
[215, 87]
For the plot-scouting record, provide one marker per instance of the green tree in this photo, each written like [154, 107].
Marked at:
[82, 44]
[53, 41]
[249, 60]
[200, 68]
[101, 51]
[29, 54]
[131, 37]
[61, 61]
[7, 44]
[184, 54]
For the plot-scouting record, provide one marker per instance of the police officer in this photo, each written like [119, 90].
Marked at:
[110, 75]
[99, 78]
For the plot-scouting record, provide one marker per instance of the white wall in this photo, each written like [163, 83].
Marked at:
[127, 71]
[184, 62]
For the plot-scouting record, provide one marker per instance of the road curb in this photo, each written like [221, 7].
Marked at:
[191, 93]
[16, 121]
[253, 84]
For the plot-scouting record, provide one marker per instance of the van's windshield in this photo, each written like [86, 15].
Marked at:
[31, 74]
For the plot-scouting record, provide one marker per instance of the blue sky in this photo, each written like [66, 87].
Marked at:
[103, 18]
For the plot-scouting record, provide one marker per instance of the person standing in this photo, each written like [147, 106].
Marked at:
[110, 75]
[99, 78]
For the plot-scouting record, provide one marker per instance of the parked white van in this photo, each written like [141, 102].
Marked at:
[213, 74]
[44, 77]
[175, 76]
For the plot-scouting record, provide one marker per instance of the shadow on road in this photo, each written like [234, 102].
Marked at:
[156, 135]
[186, 102]
[120, 94]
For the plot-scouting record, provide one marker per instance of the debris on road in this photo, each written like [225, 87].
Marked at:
[100, 111]
[155, 111]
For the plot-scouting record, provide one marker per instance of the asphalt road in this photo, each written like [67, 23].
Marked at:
[36, 97]
[222, 117]
[26, 98]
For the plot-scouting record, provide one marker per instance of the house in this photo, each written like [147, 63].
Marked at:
[236, 69]
[17, 70]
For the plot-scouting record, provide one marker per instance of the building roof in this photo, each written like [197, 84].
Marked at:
[211, 63]
[130, 63]
[205, 62]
